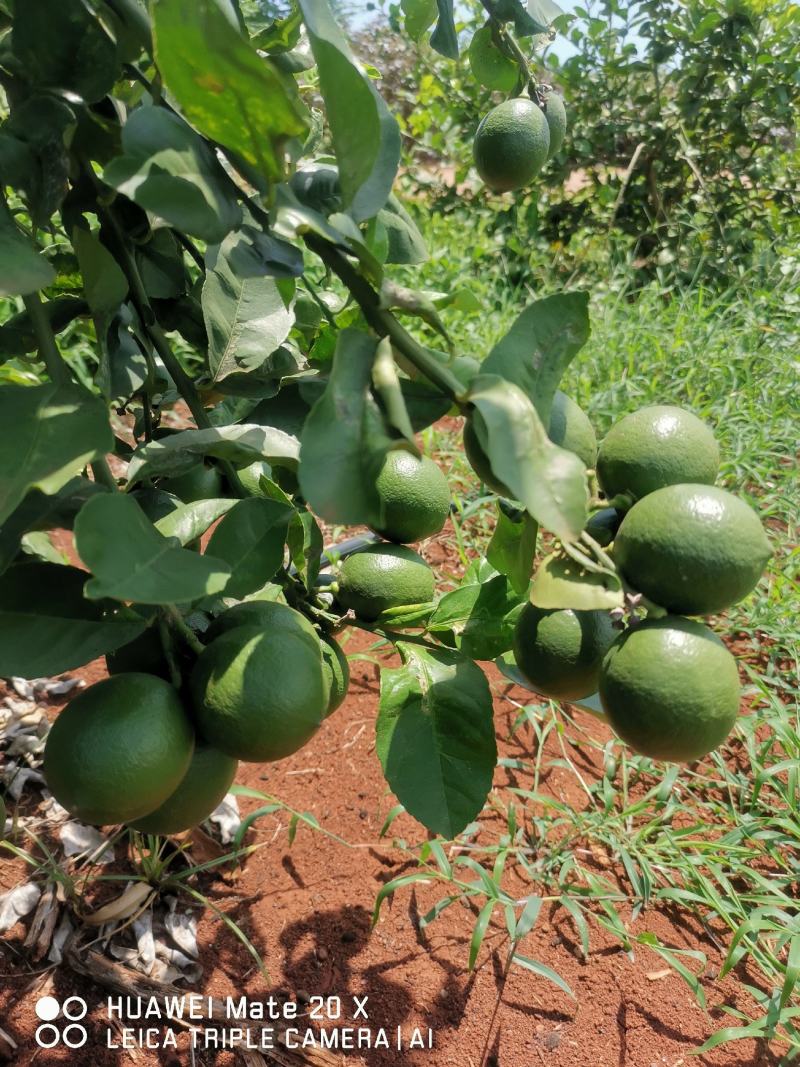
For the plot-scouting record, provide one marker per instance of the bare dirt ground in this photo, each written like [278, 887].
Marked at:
[307, 909]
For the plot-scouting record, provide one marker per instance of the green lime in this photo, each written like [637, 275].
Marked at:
[511, 144]
[670, 689]
[556, 115]
[603, 525]
[268, 615]
[415, 497]
[119, 749]
[250, 476]
[337, 673]
[692, 549]
[143, 655]
[381, 577]
[155, 503]
[260, 694]
[654, 447]
[200, 482]
[205, 783]
[560, 651]
[570, 428]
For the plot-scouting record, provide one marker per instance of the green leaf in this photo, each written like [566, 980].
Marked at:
[246, 317]
[191, 521]
[47, 626]
[560, 582]
[17, 335]
[479, 618]
[123, 366]
[544, 972]
[170, 171]
[37, 512]
[23, 269]
[444, 38]
[251, 539]
[544, 12]
[241, 444]
[344, 441]
[419, 16]
[539, 347]
[305, 546]
[435, 737]
[549, 481]
[478, 934]
[366, 138]
[405, 243]
[491, 67]
[513, 545]
[104, 283]
[62, 45]
[231, 94]
[47, 434]
[130, 560]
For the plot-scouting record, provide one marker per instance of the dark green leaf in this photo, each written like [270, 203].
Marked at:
[435, 737]
[251, 539]
[513, 545]
[479, 618]
[123, 367]
[47, 125]
[305, 546]
[548, 480]
[231, 94]
[405, 244]
[160, 263]
[47, 626]
[344, 442]
[104, 283]
[560, 582]
[191, 521]
[365, 136]
[17, 335]
[62, 45]
[47, 434]
[246, 317]
[444, 38]
[170, 171]
[242, 444]
[540, 346]
[38, 511]
[22, 268]
[131, 561]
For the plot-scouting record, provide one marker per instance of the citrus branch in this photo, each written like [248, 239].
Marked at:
[381, 320]
[48, 349]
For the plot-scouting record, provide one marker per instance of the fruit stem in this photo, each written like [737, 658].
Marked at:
[177, 622]
[381, 320]
[583, 560]
[600, 554]
[48, 349]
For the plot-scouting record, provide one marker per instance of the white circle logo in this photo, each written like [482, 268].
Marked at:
[48, 1035]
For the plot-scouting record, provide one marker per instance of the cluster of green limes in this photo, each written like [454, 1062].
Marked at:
[668, 685]
[516, 138]
[132, 749]
[415, 501]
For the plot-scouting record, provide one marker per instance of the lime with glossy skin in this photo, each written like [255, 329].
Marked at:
[201, 790]
[511, 144]
[603, 525]
[556, 115]
[569, 427]
[260, 694]
[560, 651]
[119, 749]
[692, 549]
[670, 689]
[654, 447]
[337, 673]
[268, 615]
[200, 482]
[381, 577]
[415, 497]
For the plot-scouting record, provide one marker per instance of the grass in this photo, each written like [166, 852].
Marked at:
[720, 839]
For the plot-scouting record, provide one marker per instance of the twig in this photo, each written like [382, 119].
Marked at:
[626, 178]
[48, 349]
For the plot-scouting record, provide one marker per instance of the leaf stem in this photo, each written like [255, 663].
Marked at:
[381, 320]
[102, 474]
[48, 349]
[394, 635]
[179, 624]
